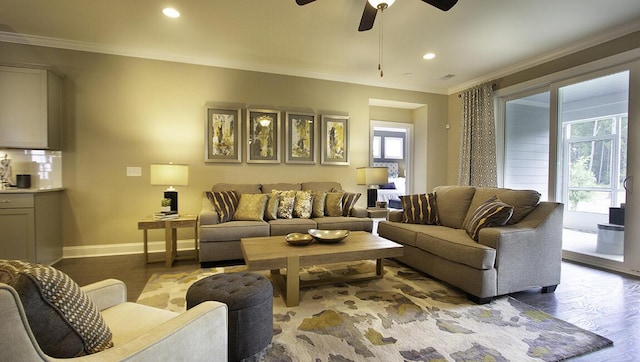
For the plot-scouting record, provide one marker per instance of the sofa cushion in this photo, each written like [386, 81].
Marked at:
[317, 210]
[402, 233]
[455, 245]
[286, 226]
[64, 320]
[349, 200]
[344, 223]
[239, 188]
[232, 231]
[302, 205]
[326, 186]
[225, 203]
[453, 204]
[523, 201]
[419, 209]
[492, 212]
[333, 204]
[268, 188]
[271, 210]
[251, 207]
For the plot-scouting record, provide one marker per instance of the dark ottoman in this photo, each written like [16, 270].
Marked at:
[249, 300]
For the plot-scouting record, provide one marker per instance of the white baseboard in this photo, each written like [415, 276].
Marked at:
[70, 252]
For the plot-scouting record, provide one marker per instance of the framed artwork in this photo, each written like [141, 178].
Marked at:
[300, 138]
[263, 136]
[223, 135]
[335, 140]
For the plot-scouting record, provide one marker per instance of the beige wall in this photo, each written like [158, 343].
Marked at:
[123, 111]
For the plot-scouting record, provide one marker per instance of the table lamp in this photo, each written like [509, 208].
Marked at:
[372, 177]
[170, 175]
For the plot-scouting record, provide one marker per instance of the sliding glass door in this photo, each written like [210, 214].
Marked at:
[569, 141]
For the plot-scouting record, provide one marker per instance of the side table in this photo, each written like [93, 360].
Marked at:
[170, 236]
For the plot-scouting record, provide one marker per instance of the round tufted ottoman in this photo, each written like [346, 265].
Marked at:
[249, 300]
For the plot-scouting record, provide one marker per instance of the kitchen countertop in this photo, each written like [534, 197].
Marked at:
[15, 190]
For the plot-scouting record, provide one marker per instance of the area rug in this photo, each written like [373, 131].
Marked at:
[405, 316]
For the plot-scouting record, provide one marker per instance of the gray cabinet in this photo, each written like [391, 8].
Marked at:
[30, 226]
[30, 108]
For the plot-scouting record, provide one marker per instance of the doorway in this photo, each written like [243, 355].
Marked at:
[390, 145]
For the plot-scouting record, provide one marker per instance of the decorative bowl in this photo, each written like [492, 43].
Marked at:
[328, 236]
[298, 239]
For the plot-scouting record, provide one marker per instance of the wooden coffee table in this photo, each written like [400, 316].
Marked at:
[274, 253]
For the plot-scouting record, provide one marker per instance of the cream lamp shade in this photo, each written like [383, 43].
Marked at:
[170, 175]
[372, 176]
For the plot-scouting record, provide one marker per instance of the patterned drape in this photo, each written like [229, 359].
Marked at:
[477, 164]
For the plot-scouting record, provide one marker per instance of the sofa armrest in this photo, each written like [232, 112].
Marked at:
[529, 253]
[207, 214]
[106, 293]
[199, 334]
[358, 211]
[395, 215]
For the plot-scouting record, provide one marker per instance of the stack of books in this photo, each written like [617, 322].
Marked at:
[165, 216]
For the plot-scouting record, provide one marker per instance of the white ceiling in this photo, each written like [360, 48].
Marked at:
[475, 41]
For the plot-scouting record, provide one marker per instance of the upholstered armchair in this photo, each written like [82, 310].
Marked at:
[139, 332]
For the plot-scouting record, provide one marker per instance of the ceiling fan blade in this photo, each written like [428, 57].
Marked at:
[368, 17]
[443, 5]
[304, 2]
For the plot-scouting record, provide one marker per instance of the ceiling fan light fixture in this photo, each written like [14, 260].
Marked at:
[381, 4]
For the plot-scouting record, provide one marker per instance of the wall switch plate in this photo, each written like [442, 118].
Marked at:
[134, 171]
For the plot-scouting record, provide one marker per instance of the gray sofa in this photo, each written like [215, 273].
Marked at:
[220, 241]
[526, 253]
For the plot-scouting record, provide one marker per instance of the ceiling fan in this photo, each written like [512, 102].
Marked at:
[371, 9]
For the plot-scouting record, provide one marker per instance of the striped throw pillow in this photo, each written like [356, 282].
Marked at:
[419, 209]
[349, 200]
[492, 212]
[225, 204]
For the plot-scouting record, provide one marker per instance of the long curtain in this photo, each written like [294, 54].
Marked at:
[477, 164]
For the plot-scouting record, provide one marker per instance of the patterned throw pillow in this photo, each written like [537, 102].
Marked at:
[303, 204]
[492, 212]
[317, 210]
[286, 203]
[349, 202]
[64, 320]
[251, 207]
[271, 211]
[225, 203]
[333, 204]
[419, 209]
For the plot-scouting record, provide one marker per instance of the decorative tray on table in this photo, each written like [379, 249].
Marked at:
[328, 236]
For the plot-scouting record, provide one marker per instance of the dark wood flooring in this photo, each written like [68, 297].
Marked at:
[603, 302]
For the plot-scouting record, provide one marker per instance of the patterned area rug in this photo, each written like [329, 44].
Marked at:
[405, 316]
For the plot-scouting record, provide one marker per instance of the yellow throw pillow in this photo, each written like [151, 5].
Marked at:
[251, 207]
[333, 204]
[285, 204]
[317, 210]
[271, 212]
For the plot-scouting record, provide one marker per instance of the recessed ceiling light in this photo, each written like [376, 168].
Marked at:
[171, 12]
[429, 56]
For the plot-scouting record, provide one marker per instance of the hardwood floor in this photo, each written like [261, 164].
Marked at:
[602, 302]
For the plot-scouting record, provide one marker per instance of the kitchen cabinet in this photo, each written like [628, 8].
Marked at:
[30, 108]
[31, 226]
